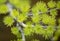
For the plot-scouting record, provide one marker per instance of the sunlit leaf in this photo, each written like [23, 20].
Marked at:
[14, 2]
[36, 18]
[3, 9]
[38, 29]
[21, 18]
[8, 21]
[19, 39]
[46, 19]
[48, 32]
[51, 4]
[35, 9]
[24, 6]
[14, 13]
[53, 12]
[35, 40]
[58, 4]
[2, 1]
[28, 30]
[43, 7]
[14, 30]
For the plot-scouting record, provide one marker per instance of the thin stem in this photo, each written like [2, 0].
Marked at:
[20, 29]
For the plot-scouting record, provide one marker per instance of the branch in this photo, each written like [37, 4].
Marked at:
[20, 29]
[22, 33]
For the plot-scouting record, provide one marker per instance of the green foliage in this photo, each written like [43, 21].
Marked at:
[14, 2]
[36, 18]
[37, 7]
[3, 9]
[35, 10]
[28, 30]
[35, 40]
[23, 5]
[58, 4]
[59, 21]
[38, 29]
[55, 38]
[21, 17]
[42, 6]
[15, 30]
[19, 39]
[46, 19]
[57, 33]
[48, 32]
[42, 14]
[2, 1]
[51, 4]
[8, 20]
[14, 13]
[53, 12]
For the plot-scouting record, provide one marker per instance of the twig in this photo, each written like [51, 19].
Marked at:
[22, 33]
[20, 29]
